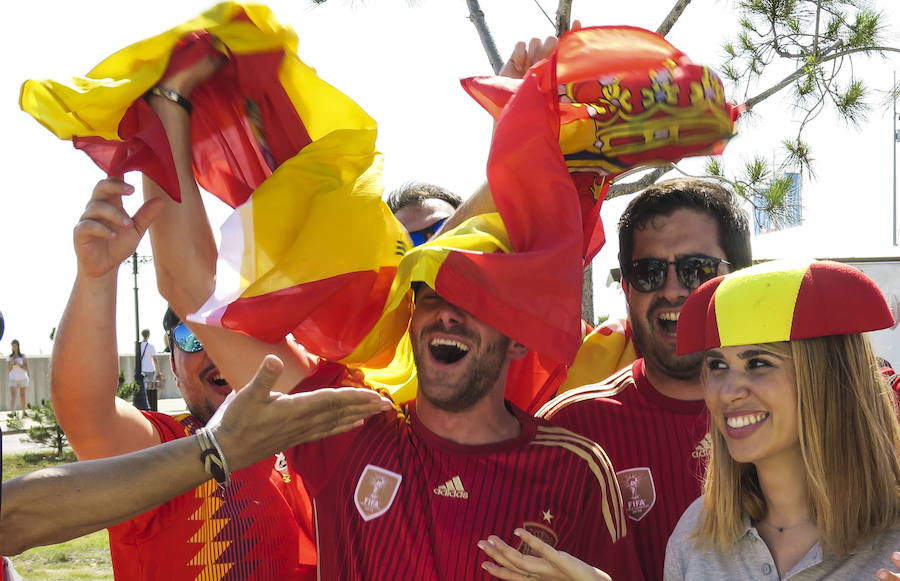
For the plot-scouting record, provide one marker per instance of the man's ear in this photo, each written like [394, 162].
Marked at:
[516, 350]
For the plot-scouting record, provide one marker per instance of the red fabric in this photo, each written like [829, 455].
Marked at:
[837, 299]
[641, 428]
[260, 528]
[533, 380]
[540, 285]
[350, 302]
[228, 159]
[424, 534]
[552, 217]
[697, 328]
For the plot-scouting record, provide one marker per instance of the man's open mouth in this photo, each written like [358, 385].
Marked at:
[215, 377]
[447, 351]
[667, 322]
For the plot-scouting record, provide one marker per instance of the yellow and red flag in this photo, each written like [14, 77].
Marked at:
[608, 100]
[314, 250]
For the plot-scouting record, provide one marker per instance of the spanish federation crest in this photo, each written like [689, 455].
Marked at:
[375, 491]
[541, 531]
[638, 491]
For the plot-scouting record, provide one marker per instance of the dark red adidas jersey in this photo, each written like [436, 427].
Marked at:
[247, 530]
[395, 501]
[657, 445]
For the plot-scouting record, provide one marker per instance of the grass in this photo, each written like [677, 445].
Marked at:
[85, 558]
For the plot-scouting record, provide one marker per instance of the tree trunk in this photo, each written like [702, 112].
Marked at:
[484, 33]
[587, 295]
[563, 16]
[672, 17]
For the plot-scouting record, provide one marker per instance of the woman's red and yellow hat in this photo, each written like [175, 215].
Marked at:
[781, 300]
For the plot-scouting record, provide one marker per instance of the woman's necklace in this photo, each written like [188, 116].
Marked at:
[782, 529]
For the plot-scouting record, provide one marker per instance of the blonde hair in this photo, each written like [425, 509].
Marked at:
[849, 439]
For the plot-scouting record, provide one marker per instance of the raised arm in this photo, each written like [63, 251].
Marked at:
[522, 57]
[56, 504]
[85, 370]
[185, 254]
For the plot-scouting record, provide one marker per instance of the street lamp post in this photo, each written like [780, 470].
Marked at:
[140, 400]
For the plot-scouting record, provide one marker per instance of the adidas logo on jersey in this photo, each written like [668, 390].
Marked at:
[703, 449]
[453, 488]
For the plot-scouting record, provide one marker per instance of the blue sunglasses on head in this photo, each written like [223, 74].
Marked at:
[185, 339]
[422, 236]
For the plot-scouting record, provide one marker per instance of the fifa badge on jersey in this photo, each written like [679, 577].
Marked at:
[375, 491]
[638, 491]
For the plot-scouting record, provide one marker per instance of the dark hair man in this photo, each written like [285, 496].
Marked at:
[422, 208]
[410, 496]
[650, 416]
[263, 539]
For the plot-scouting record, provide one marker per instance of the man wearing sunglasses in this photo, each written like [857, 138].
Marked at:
[422, 209]
[268, 538]
[650, 417]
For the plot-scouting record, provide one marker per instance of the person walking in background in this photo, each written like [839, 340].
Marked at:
[150, 369]
[17, 366]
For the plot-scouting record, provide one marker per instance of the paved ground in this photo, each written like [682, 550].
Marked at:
[16, 444]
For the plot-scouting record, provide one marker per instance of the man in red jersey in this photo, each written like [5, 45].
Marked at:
[650, 416]
[410, 494]
[251, 529]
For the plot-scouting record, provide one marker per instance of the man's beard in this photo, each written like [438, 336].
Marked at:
[659, 356]
[483, 371]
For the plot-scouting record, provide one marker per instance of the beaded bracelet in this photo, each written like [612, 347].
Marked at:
[173, 96]
[212, 457]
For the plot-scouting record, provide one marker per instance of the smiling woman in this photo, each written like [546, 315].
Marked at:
[804, 429]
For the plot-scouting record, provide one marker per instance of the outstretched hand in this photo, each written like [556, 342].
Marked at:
[546, 563]
[255, 422]
[105, 234]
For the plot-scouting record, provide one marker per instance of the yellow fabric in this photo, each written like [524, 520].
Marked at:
[603, 351]
[338, 225]
[93, 105]
[774, 287]
[483, 233]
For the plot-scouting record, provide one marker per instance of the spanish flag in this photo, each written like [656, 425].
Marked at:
[314, 250]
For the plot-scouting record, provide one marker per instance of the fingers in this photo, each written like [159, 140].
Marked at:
[885, 575]
[514, 563]
[327, 412]
[147, 213]
[264, 380]
[105, 208]
[576, 25]
[539, 547]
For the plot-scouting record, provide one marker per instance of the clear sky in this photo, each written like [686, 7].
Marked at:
[401, 61]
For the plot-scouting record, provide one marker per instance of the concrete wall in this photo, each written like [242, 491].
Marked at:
[39, 376]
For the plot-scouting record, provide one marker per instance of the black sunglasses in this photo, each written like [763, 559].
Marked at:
[185, 339]
[422, 236]
[647, 275]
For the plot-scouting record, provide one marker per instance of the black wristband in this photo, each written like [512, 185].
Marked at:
[171, 95]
